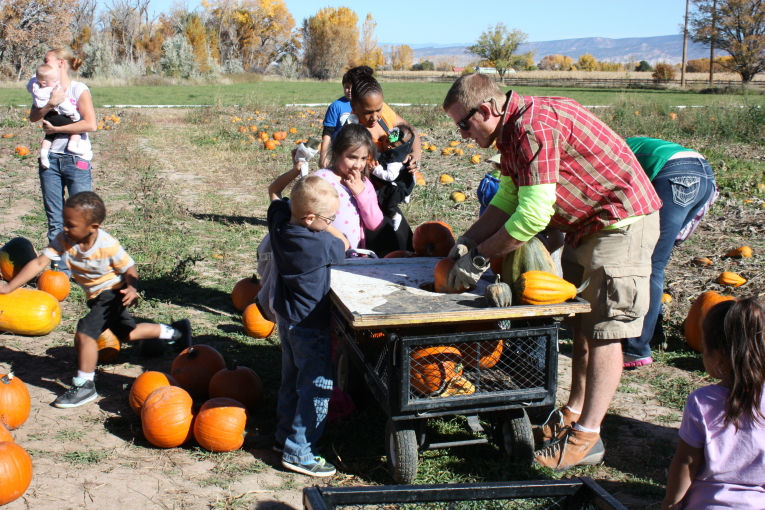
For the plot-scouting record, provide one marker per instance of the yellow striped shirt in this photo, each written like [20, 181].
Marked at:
[101, 267]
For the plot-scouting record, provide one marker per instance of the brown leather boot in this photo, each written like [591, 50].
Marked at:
[557, 421]
[573, 448]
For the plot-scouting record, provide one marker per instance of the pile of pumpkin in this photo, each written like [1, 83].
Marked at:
[166, 402]
[15, 463]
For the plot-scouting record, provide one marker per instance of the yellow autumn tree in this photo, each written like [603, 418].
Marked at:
[330, 41]
[401, 57]
[370, 52]
[587, 62]
[204, 45]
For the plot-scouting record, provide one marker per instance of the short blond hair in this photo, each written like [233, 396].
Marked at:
[473, 89]
[45, 71]
[311, 195]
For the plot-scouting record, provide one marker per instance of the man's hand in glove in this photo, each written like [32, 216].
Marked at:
[463, 246]
[466, 271]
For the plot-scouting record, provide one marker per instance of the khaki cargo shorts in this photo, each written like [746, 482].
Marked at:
[618, 264]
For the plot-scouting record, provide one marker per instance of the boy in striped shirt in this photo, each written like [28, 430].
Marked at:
[109, 278]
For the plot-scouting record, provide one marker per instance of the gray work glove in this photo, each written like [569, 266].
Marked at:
[463, 246]
[465, 273]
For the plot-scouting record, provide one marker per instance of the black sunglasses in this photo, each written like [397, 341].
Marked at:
[462, 124]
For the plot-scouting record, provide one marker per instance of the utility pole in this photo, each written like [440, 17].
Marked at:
[712, 46]
[685, 45]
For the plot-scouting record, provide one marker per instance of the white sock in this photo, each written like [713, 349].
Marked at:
[74, 147]
[573, 410]
[397, 221]
[88, 376]
[406, 199]
[166, 332]
[584, 429]
[44, 158]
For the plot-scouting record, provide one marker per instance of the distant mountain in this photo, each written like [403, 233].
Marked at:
[665, 48]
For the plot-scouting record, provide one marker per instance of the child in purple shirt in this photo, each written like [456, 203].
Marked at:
[720, 460]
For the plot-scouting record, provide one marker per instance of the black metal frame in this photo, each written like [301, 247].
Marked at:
[580, 494]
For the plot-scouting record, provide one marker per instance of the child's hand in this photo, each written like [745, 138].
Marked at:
[354, 182]
[130, 295]
[295, 164]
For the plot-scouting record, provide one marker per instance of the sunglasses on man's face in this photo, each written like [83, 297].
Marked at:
[462, 124]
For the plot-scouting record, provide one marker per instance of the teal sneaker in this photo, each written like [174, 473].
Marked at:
[317, 467]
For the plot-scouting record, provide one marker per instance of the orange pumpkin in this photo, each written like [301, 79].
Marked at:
[728, 278]
[400, 254]
[14, 255]
[15, 472]
[55, 283]
[419, 179]
[8, 135]
[741, 252]
[696, 315]
[108, 346]
[293, 130]
[194, 368]
[496, 266]
[239, 383]
[14, 401]
[434, 367]
[441, 273]
[219, 426]
[242, 129]
[270, 145]
[433, 239]
[5, 434]
[255, 325]
[245, 291]
[166, 417]
[254, 129]
[146, 383]
[21, 151]
[491, 350]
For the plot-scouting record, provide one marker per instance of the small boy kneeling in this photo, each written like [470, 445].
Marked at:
[304, 244]
[109, 278]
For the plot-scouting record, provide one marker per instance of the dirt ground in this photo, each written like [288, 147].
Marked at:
[96, 457]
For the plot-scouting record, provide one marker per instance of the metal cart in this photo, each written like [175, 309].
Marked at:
[424, 354]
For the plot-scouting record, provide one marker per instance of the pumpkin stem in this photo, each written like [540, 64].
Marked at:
[232, 365]
[192, 353]
[6, 379]
[254, 279]
[583, 286]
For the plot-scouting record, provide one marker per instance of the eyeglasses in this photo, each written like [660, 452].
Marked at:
[462, 124]
[328, 220]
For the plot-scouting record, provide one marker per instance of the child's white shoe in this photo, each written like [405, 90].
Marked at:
[406, 199]
[44, 162]
[397, 221]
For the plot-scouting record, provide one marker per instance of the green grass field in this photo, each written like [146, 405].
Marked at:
[281, 93]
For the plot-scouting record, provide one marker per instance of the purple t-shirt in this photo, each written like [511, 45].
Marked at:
[732, 474]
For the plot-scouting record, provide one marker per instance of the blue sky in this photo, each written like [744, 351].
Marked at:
[452, 21]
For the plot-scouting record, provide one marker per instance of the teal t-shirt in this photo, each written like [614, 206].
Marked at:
[653, 154]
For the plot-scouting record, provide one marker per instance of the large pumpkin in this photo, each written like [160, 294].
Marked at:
[108, 346]
[55, 283]
[696, 315]
[14, 255]
[434, 367]
[144, 385]
[167, 416]
[240, 383]
[195, 367]
[14, 401]
[400, 254]
[29, 312]
[5, 434]
[219, 426]
[531, 256]
[440, 273]
[15, 472]
[490, 350]
[542, 288]
[433, 239]
[255, 325]
[244, 293]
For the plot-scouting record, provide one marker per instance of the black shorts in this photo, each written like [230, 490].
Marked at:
[107, 312]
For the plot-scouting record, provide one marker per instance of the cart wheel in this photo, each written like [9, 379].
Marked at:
[348, 377]
[513, 435]
[401, 449]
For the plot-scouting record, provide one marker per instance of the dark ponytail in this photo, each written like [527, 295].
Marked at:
[363, 86]
[352, 136]
[736, 329]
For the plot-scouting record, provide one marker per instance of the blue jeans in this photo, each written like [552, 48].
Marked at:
[305, 390]
[684, 185]
[63, 172]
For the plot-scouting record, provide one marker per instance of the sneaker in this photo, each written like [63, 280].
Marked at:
[558, 420]
[317, 467]
[77, 395]
[634, 361]
[182, 335]
[573, 448]
[278, 446]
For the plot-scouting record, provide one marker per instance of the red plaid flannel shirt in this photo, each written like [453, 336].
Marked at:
[599, 181]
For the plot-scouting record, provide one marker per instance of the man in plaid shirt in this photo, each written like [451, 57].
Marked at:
[563, 168]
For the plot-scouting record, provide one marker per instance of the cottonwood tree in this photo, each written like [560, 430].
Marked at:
[28, 28]
[370, 54]
[587, 62]
[401, 57]
[556, 63]
[736, 27]
[498, 45]
[330, 41]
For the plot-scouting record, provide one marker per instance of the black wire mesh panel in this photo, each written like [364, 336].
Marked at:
[496, 504]
[374, 347]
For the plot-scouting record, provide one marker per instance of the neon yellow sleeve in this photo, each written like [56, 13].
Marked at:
[533, 212]
[506, 198]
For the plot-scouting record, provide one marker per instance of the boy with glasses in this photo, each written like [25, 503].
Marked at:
[304, 245]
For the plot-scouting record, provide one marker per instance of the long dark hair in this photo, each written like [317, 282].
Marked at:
[363, 86]
[736, 329]
[352, 136]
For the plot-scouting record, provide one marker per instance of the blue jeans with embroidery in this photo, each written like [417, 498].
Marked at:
[305, 390]
[684, 186]
[66, 172]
